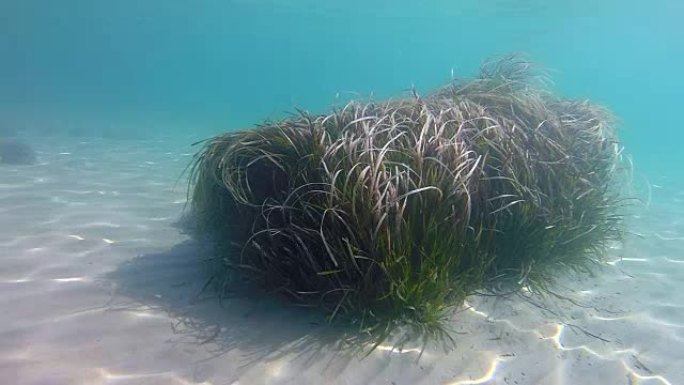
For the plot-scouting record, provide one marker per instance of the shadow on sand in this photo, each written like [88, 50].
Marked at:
[246, 321]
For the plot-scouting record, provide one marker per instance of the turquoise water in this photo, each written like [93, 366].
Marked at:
[173, 66]
[98, 284]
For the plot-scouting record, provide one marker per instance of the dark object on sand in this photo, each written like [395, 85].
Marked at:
[391, 213]
[14, 151]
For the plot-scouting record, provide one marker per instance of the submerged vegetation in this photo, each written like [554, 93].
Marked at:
[389, 214]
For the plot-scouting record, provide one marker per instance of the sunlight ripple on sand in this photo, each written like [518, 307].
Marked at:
[603, 318]
[71, 279]
[276, 368]
[101, 224]
[488, 376]
[159, 219]
[611, 356]
[172, 377]
[20, 280]
[147, 314]
[472, 308]
[508, 322]
[394, 350]
[636, 378]
[613, 262]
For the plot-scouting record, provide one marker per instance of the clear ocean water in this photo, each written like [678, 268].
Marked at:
[170, 66]
[112, 94]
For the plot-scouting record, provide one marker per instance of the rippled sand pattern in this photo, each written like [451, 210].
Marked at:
[99, 286]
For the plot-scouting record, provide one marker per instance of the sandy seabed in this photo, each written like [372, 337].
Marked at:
[99, 285]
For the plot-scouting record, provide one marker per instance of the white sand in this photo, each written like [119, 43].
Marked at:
[98, 287]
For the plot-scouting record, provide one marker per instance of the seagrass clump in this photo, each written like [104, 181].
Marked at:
[390, 213]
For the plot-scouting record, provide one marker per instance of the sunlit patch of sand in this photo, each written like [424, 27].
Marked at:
[19, 280]
[56, 280]
[636, 378]
[101, 224]
[169, 377]
[394, 350]
[557, 336]
[146, 314]
[613, 262]
[276, 368]
[71, 279]
[474, 310]
[604, 318]
[489, 375]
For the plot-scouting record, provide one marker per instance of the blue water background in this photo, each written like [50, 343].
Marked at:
[198, 67]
